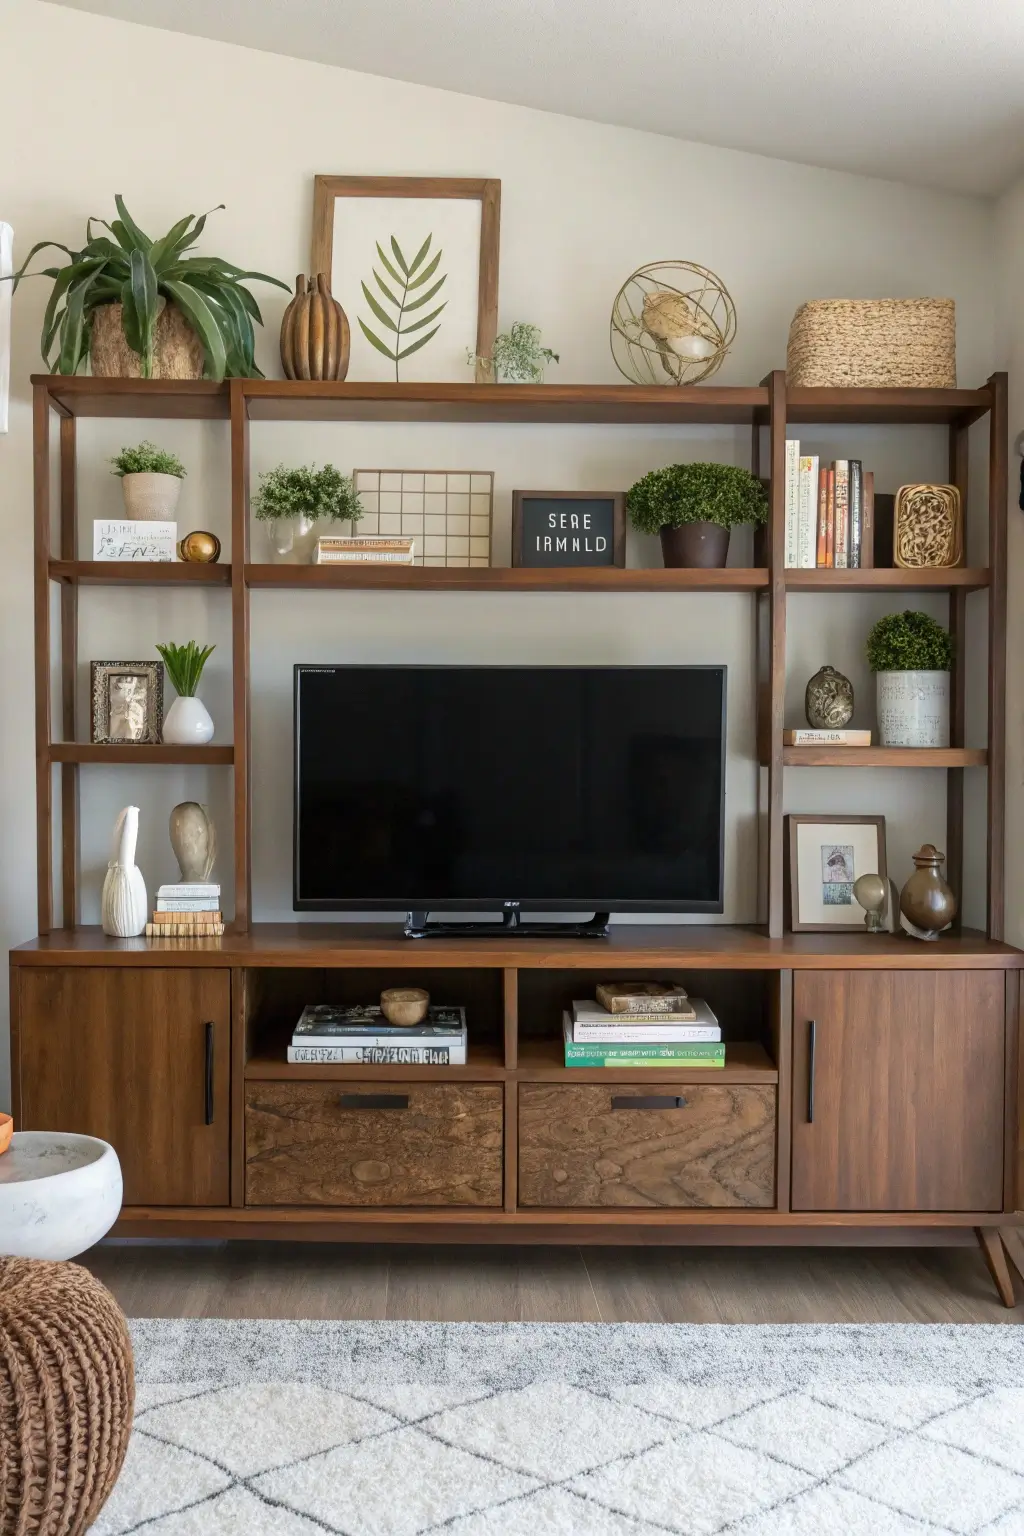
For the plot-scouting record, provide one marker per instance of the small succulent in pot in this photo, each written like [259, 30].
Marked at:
[150, 481]
[694, 508]
[292, 501]
[910, 655]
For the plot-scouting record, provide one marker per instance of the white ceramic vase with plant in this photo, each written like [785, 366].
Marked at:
[293, 504]
[910, 655]
[187, 722]
[150, 482]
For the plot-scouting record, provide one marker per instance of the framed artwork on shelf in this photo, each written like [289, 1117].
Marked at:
[446, 512]
[824, 856]
[413, 260]
[559, 528]
[127, 701]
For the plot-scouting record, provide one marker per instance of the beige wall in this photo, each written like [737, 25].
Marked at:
[93, 107]
[1009, 241]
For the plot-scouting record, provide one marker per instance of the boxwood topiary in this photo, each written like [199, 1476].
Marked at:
[909, 642]
[696, 493]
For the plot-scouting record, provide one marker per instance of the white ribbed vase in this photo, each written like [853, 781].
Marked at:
[913, 709]
[124, 905]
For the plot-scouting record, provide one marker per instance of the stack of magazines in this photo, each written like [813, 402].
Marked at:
[327, 1034]
[642, 1024]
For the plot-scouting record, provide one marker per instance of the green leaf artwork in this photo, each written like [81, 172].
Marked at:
[402, 293]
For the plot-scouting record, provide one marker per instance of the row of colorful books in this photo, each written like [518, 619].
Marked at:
[643, 1034]
[830, 512]
[188, 910]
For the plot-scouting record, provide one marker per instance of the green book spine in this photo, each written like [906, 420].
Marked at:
[651, 1061]
[684, 1051]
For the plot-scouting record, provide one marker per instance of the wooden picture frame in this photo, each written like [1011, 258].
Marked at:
[521, 530]
[805, 910]
[485, 190]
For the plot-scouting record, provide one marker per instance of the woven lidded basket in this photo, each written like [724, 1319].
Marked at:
[873, 344]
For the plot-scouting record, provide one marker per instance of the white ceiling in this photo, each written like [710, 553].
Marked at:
[922, 91]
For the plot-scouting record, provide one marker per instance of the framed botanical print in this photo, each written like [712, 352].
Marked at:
[127, 701]
[413, 261]
[824, 856]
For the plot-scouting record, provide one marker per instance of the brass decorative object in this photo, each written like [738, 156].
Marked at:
[199, 547]
[672, 323]
[928, 527]
[872, 893]
[828, 700]
[926, 901]
[315, 336]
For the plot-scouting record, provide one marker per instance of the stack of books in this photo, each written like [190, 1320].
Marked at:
[187, 911]
[328, 1035]
[642, 1030]
[364, 549]
[830, 512]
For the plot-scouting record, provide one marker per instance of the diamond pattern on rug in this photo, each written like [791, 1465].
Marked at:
[993, 1428]
[282, 1423]
[898, 1407]
[832, 1511]
[408, 1400]
[235, 1513]
[396, 1484]
[696, 1407]
[155, 1480]
[552, 1512]
[812, 1436]
[549, 1430]
[936, 1482]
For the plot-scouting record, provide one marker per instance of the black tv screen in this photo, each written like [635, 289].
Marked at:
[566, 789]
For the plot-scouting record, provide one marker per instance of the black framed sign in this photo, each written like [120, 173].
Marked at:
[568, 528]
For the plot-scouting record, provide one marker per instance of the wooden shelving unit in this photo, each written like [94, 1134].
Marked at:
[766, 409]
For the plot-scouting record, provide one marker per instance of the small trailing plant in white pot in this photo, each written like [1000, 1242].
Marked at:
[517, 356]
[910, 655]
[292, 502]
[150, 481]
[187, 722]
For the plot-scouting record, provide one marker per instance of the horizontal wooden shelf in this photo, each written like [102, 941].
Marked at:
[137, 753]
[169, 399]
[434, 578]
[140, 573]
[896, 407]
[884, 757]
[544, 1061]
[485, 1065]
[971, 579]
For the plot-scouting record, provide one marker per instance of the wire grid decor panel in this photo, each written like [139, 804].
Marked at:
[447, 511]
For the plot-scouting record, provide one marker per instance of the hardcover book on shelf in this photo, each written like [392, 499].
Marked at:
[806, 511]
[821, 546]
[792, 502]
[830, 519]
[842, 514]
[641, 997]
[591, 1024]
[379, 1055]
[363, 1025]
[867, 538]
[856, 513]
[184, 930]
[687, 1054]
[805, 737]
[339, 550]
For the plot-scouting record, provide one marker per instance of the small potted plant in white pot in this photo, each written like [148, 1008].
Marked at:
[291, 502]
[517, 357]
[910, 655]
[188, 722]
[694, 507]
[150, 482]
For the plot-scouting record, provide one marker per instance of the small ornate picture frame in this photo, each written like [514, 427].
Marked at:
[824, 856]
[127, 701]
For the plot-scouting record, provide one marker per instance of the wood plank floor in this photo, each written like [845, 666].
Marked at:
[592, 1285]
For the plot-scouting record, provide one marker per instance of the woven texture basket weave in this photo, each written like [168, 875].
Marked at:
[873, 344]
[67, 1391]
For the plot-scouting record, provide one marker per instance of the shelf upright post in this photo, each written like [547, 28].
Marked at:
[69, 783]
[240, 654]
[773, 695]
[958, 475]
[998, 489]
[41, 595]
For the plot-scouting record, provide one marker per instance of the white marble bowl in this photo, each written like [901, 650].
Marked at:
[59, 1194]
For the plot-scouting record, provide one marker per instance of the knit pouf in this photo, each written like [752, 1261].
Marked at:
[67, 1390]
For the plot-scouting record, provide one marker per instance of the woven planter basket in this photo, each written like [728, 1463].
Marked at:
[177, 350]
[67, 1390]
[873, 344]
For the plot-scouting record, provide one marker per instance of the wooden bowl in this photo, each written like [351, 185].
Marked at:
[6, 1131]
[404, 1006]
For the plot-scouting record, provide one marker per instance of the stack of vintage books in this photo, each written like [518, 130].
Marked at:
[328, 1034]
[642, 1024]
[364, 549]
[190, 910]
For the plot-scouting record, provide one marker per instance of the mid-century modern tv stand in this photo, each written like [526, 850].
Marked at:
[872, 1088]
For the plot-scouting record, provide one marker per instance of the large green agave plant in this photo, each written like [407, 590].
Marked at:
[135, 271]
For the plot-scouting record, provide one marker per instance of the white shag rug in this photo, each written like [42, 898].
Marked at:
[400, 1429]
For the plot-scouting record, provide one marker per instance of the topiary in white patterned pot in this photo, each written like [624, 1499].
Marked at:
[150, 481]
[911, 655]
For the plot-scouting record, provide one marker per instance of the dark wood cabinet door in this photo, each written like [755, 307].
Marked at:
[141, 1058]
[898, 1087]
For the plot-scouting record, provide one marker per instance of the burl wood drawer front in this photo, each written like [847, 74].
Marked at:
[618, 1146]
[373, 1144]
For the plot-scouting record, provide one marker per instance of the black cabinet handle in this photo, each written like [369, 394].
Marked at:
[209, 1074]
[811, 1044]
[374, 1100]
[648, 1101]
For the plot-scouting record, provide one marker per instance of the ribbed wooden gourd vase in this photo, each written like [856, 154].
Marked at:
[67, 1394]
[314, 332]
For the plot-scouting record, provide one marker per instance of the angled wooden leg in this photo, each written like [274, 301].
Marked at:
[1014, 1245]
[995, 1257]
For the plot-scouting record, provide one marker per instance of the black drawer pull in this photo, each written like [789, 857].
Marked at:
[811, 1047]
[374, 1100]
[648, 1101]
[209, 1074]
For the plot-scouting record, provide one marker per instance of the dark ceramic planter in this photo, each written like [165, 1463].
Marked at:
[695, 544]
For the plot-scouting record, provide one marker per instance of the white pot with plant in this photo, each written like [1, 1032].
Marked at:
[150, 482]
[910, 655]
[517, 356]
[293, 504]
[187, 722]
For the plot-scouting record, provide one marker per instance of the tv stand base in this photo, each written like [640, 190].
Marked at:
[418, 926]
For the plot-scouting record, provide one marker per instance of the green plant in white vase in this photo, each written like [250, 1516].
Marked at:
[187, 722]
[292, 502]
[517, 356]
[150, 481]
[910, 655]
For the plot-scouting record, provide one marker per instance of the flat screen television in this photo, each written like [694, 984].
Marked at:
[471, 789]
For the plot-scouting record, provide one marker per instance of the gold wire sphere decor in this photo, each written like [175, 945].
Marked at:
[672, 323]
